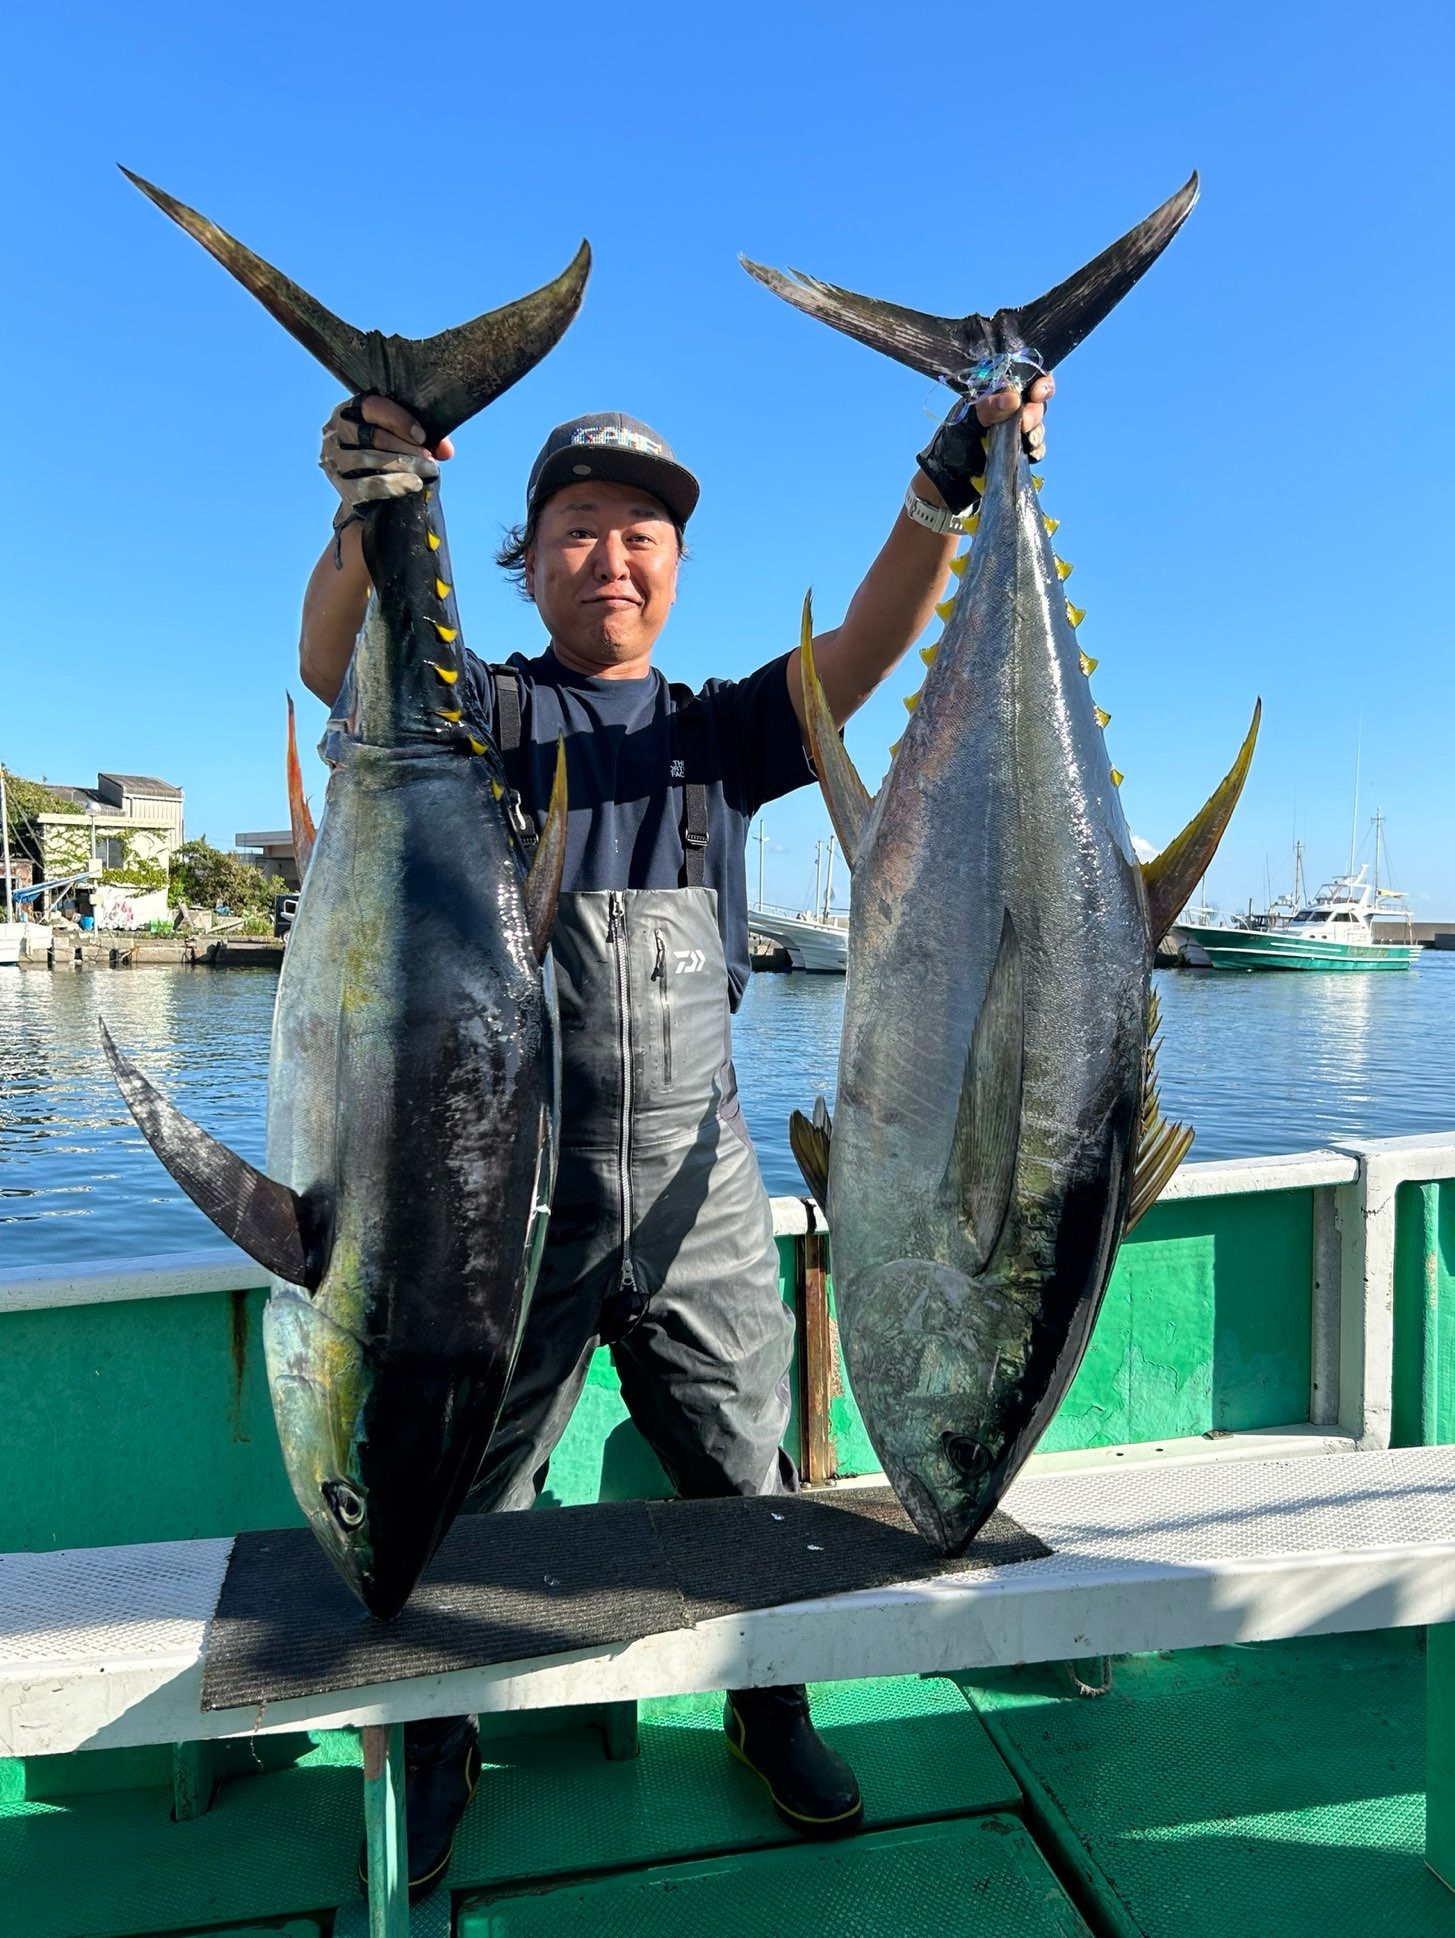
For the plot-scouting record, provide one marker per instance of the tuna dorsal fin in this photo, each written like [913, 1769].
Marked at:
[443, 379]
[811, 1144]
[271, 1223]
[304, 831]
[1171, 878]
[947, 346]
[543, 882]
[981, 1171]
[849, 801]
[1161, 1146]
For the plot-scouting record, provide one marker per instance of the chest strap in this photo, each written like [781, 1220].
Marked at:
[689, 756]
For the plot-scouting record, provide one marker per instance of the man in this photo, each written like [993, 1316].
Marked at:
[661, 1239]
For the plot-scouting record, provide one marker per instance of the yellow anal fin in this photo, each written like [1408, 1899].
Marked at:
[1171, 878]
[846, 796]
[1160, 1146]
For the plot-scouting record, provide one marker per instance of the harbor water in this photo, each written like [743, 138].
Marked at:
[1258, 1063]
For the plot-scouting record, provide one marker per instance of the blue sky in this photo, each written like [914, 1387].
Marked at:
[1249, 458]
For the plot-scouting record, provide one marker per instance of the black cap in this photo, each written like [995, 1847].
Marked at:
[622, 450]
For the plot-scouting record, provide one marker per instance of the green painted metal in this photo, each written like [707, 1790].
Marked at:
[154, 1420]
[1275, 1791]
[983, 1876]
[1424, 1315]
[552, 1805]
[1440, 1756]
[384, 1836]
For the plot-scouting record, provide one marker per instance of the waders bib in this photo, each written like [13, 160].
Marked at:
[660, 1242]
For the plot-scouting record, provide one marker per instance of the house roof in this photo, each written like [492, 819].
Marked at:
[143, 784]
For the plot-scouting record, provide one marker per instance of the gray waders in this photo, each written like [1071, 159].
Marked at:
[660, 1243]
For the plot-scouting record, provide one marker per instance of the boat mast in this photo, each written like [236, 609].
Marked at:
[5, 844]
[1378, 837]
[1354, 824]
[761, 838]
[828, 886]
[817, 871]
[1299, 892]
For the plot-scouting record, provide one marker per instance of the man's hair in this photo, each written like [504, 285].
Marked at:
[518, 540]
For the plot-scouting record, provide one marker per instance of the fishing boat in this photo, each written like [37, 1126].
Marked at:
[815, 938]
[1332, 930]
[1238, 1563]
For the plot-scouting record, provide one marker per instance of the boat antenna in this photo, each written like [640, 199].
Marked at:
[761, 838]
[828, 886]
[817, 870]
[5, 844]
[1354, 824]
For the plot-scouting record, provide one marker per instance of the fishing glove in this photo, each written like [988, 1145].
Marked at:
[955, 455]
[362, 474]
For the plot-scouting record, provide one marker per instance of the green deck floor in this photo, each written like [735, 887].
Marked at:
[981, 1877]
[1269, 1792]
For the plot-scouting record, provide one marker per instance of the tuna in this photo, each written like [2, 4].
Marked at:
[412, 1086]
[996, 1128]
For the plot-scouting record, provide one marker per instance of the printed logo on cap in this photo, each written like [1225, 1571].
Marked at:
[622, 439]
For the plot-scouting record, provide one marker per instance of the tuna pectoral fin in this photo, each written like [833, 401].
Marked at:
[302, 821]
[270, 1222]
[947, 346]
[543, 883]
[981, 1171]
[1171, 878]
[1161, 1146]
[810, 1143]
[849, 801]
[443, 379]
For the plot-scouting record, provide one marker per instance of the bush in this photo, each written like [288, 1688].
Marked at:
[206, 876]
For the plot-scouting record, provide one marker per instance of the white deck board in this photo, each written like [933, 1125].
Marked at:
[104, 1648]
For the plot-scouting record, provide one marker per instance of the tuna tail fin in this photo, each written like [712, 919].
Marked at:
[301, 820]
[272, 1224]
[1170, 879]
[443, 379]
[946, 347]
[849, 801]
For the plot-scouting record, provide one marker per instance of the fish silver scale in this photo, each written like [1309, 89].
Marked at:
[1000, 799]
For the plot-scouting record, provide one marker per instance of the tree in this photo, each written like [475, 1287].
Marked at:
[209, 876]
[24, 801]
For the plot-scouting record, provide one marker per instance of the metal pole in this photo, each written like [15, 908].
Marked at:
[5, 839]
[1354, 824]
[384, 1830]
[817, 871]
[828, 887]
[762, 843]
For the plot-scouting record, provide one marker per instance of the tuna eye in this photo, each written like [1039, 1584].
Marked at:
[969, 1459]
[344, 1503]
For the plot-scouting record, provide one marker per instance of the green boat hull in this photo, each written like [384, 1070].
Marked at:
[1266, 949]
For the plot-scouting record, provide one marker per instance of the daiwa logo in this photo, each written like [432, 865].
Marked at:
[622, 439]
[689, 961]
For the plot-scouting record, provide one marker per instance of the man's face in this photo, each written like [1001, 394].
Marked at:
[603, 573]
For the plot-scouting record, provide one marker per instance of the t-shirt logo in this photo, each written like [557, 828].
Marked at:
[679, 770]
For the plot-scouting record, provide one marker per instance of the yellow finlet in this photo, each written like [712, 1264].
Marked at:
[1103, 718]
[929, 654]
[1064, 569]
[442, 591]
[894, 747]
[449, 634]
[911, 701]
[1075, 613]
[1089, 665]
[1117, 777]
[1037, 482]
[971, 521]
[477, 747]
[1052, 525]
[434, 540]
[449, 674]
[453, 714]
[958, 564]
[977, 485]
[944, 608]
[495, 788]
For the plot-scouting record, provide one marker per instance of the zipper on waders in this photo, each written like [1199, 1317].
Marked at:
[659, 977]
[616, 935]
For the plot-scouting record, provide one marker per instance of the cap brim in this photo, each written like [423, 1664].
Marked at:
[672, 483]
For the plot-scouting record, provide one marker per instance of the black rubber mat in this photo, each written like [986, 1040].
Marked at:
[507, 1587]
[731, 1555]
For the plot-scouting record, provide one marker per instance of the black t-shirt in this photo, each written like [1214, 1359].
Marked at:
[625, 801]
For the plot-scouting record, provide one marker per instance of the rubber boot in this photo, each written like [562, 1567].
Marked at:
[441, 1770]
[813, 1789]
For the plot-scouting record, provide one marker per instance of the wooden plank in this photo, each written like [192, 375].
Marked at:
[815, 1361]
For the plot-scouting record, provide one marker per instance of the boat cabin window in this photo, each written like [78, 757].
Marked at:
[1311, 915]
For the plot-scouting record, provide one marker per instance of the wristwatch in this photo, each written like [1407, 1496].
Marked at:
[937, 518]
